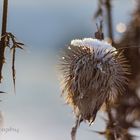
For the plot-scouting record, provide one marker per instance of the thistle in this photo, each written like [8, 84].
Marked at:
[94, 73]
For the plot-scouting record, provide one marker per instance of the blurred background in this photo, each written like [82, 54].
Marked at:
[36, 110]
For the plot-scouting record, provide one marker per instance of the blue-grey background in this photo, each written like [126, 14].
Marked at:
[45, 26]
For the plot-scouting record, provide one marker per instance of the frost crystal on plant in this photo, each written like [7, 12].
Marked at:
[94, 72]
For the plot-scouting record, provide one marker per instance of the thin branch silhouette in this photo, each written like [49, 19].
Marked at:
[3, 39]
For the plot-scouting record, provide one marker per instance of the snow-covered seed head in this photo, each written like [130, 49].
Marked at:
[93, 72]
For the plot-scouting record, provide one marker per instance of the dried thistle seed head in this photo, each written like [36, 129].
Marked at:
[93, 72]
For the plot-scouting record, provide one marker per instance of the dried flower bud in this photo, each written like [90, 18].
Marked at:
[93, 72]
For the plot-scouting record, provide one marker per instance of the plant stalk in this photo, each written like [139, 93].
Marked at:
[109, 16]
[3, 39]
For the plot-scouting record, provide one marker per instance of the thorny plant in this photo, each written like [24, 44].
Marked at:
[125, 113]
[8, 40]
[94, 73]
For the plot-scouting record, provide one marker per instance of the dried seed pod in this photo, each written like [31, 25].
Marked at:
[93, 72]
